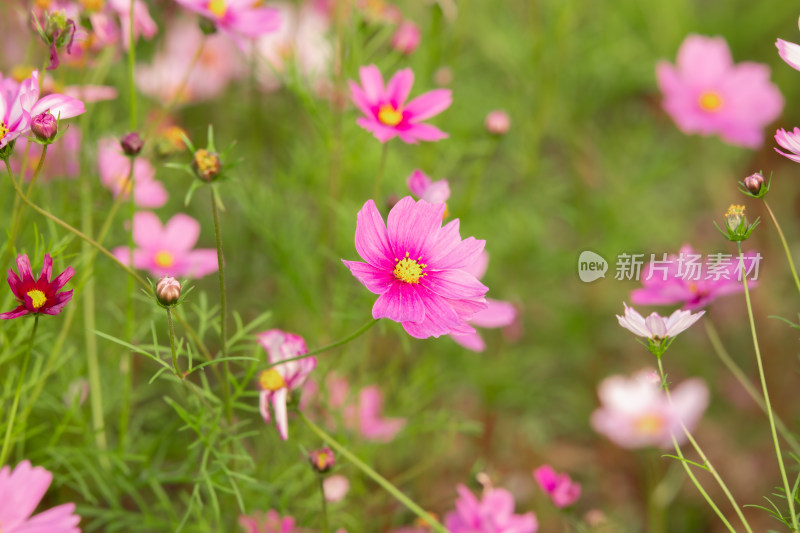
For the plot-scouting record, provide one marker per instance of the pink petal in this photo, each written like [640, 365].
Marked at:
[464, 254]
[180, 233]
[421, 132]
[401, 303]
[789, 52]
[454, 284]
[429, 104]
[281, 416]
[372, 240]
[399, 87]
[59, 105]
[418, 182]
[375, 280]
[498, 314]
[413, 228]
[470, 341]
[147, 230]
[372, 83]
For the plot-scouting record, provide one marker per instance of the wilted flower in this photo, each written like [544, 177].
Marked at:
[562, 490]
[494, 513]
[406, 38]
[705, 93]
[115, 168]
[38, 295]
[44, 126]
[658, 329]
[22, 490]
[497, 122]
[415, 266]
[386, 113]
[168, 290]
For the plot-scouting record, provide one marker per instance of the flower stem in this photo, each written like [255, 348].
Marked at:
[326, 528]
[376, 477]
[172, 344]
[132, 65]
[767, 404]
[17, 213]
[223, 305]
[333, 345]
[127, 356]
[381, 169]
[785, 244]
[18, 393]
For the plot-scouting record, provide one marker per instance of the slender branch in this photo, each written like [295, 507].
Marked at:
[18, 393]
[223, 305]
[331, 346]
[172, 344]
[784, 243]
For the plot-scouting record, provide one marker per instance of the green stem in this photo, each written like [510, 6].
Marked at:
[326, 528]
[331, 346]
[376, 477]
[223, 306]
[707, 464]
[785, 244]
[18, 393]
[20, 208]
[172, 344]
[127, 356]
[767, 404]
[132, 65]
[381, 169]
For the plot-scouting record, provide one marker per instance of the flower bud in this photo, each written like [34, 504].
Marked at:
[497, 122]
[206, 164]
[168, 290]
[322, 460]
[754, 182]
[131, 144]
[44, 126]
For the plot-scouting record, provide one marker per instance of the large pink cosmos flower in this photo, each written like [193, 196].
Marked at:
[239, 19]
[415, 265]
[562, 491]
[636, 413]
[386, 113]
[494, 513]
[688, 279]
[277, 381]
[114, 168]
[38, 295]
[21, 490]
[705, 93]
[167, 250]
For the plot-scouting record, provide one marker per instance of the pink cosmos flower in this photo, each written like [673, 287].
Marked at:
[789, 52]
[406, 38]
[497, 122]
[421, 186]
[498, 314]
[239, 19]
[494, 513]
[690, 279]
[63, 156]
[560, 487]
[366, 417]
[21, 490]
[386, 113]
[707, 94]
[114, 167]
[271, 522]
[789, 141]
[635, 412]
[38, 295]
[335, 488]
[415, 266]
[277, 381]
[167, 250]
[108, 31]
[655, 327]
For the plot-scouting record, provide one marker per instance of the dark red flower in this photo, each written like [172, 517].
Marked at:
[41, 295]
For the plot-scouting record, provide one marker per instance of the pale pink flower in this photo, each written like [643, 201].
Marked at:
[281, 378]
[559, 487]
[386, 113]
[655, 327]
[789, 141]
[494, 513]
[63, 156]
[269, 522]
[143, 23]
[167, 250]
[497, 122]
[368, 419]
[415, 266]
[335, 488]
[706, 93]
[407, 37]
[789, 52]
[421, 186]
[240, 19]
[114, 169]
[21, 490]
[635, 412]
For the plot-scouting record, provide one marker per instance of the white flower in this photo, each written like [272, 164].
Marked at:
[656, 327]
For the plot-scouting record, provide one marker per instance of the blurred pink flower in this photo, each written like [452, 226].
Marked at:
[21, 490]
[415, 266]
[277, 381]
[494, 513]
[386, 113]
[497, 122]
[498, 314]
[687, 279]
[789, 141]
[269, 522]
[635, 412]
[143, 23]
[240, 19]
[421, 186]
[789, 52]
[407, 37]
[167, 250]
[655, 327]
[560, 487]
[367, 418]
[114, 168]
[707, 94]
[335, 488]
[63, 156]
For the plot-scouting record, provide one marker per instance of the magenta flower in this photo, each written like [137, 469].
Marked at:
[22, 489]
[789, 52]
[498, 314]
[705, 93]
[167, 250]
[636, 413]
[494, 513]
[415, 266]
[271, 522]
[239, 19]
[407, 37]
[38, 295]
[386, 113]
[421, 186]
[367, 417]
[114, 168]
[689, 280]
[789, 141]
[277, 381]
[562, 490]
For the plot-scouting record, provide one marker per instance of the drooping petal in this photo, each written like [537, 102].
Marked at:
[281, 416]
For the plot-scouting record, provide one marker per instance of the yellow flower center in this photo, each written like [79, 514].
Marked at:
[649, 424]
[710, 101]
[93, 5]
[218, 7]
[37, 297]
[164, 259]
[207, 163]
[390, 116]
[409, 270]
[21, 72]
[735, 211]
[321, 460]
[3, 129]
[271, 380]
[42, 4]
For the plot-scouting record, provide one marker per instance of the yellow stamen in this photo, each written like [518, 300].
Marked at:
[390, 116]
[218, 7]
[409, 270]
[207, 163]
[735, 211]
[649, 424]
[93, 5]
[271, 380]
[710, 101]
[3, 129]
[42, 4]
[164, 259]
[321, 460]
[37, 297]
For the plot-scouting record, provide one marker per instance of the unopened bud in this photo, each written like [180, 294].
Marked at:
[131, 144]
[168, 290]
[754, 182]
[322, 460]
[206, 164]
[44, 126]
[497, 122]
